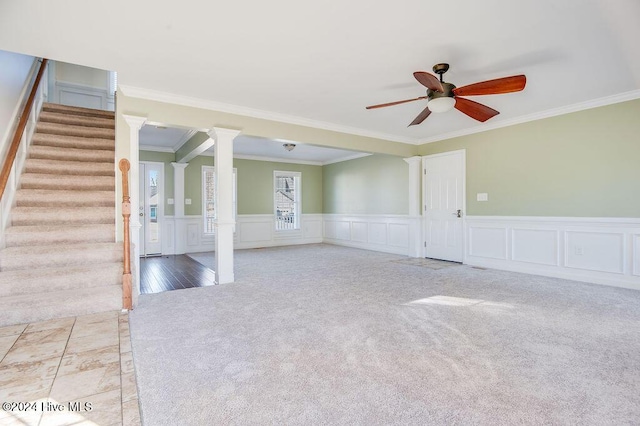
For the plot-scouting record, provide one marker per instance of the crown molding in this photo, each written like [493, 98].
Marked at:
[581, 106]
[158, 96]
[347, 158]
[277, 160]
[156, 148]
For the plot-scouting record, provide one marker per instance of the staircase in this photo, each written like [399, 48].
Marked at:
[60, 257]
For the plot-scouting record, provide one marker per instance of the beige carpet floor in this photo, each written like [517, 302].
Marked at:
[322, 334]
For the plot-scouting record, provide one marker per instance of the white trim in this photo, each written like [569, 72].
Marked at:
[581, 106]
[276, 159]
[348, 158]
[191, 133]
[154, 148]
[155, 95]
[632, 221]
[203, 168]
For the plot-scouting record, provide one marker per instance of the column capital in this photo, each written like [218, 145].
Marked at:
[413, 160]
[221, 132]
[135, 122]
[179, 165]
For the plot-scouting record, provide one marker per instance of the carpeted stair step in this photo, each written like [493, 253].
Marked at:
[39, 235]
[41, 165]
[49, 107]
[64, 198]
[33, 216]
[31, 257]
[85, 168]
[76, 120]
[65, 129]
[84, 183]
[71, 154]
[61, 141]
[29, 308]
[30, 281]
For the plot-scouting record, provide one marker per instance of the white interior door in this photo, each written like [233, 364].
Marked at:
[151, 208]
[444, 198]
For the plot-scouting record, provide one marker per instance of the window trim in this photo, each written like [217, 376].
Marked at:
[298, 200]
[203, 194]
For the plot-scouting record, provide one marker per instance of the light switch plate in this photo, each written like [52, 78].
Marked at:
[482, 196]
[170, 201]
[187, 201]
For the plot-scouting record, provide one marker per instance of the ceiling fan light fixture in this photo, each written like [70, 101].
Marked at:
[442, 104]
[289, 146]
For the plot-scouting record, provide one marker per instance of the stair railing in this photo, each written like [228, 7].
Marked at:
[126, 214]
[5, 173]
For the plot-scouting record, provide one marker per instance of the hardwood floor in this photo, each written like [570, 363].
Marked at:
[164, 273]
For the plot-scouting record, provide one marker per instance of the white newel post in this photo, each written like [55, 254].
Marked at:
[135, 124]
[415, 211]
[225, 222]
[179, 227]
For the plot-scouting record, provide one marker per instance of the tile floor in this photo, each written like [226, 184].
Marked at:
[84, 360]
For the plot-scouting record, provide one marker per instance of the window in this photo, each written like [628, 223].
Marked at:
[209, 197]
[287, 200]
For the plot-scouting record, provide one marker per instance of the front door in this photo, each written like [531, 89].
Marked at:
[151, 208]
[443, 195]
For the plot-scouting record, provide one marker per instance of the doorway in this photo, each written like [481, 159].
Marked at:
[444, 205]
[151, 208]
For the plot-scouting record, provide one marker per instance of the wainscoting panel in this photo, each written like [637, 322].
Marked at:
[186, 234]
[489, 242]
[81, 96]
[386, 233]
[539, 246]
[597, 250]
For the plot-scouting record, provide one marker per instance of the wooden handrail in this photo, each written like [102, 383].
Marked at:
[126, 214]
[17, 135]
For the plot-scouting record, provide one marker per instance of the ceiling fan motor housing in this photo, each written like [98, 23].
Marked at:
[447, 93]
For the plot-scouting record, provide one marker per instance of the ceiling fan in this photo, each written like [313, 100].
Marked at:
[444, 96]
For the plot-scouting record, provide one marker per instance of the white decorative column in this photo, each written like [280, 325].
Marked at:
[135, 124]
[179, 227]
[225, 222]
[415, 210]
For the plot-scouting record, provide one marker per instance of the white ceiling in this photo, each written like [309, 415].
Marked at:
[325, 61]
[169, 139]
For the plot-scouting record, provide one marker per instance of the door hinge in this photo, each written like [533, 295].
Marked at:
[424, 171]
[425, 244]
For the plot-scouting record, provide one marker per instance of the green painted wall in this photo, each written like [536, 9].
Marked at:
[167, 158]
[378, 184]
[583, 164]
[255, 186]
[255, 183]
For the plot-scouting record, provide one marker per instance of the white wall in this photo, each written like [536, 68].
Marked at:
[15, 70]
[76, 85]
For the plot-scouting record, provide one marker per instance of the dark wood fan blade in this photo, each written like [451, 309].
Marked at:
[429, 81]
[474, 109]
[493, 87]
[396, 102]
[421, 117]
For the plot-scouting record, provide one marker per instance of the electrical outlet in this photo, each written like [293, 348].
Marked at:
[187, 201]
[579, 250]
[170, 201]
[482, 196]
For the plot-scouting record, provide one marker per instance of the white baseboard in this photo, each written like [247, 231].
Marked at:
[399, 234]
[73, 94]
[596, 250]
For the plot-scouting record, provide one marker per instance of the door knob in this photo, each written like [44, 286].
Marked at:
[458, 213]
[141, 214]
